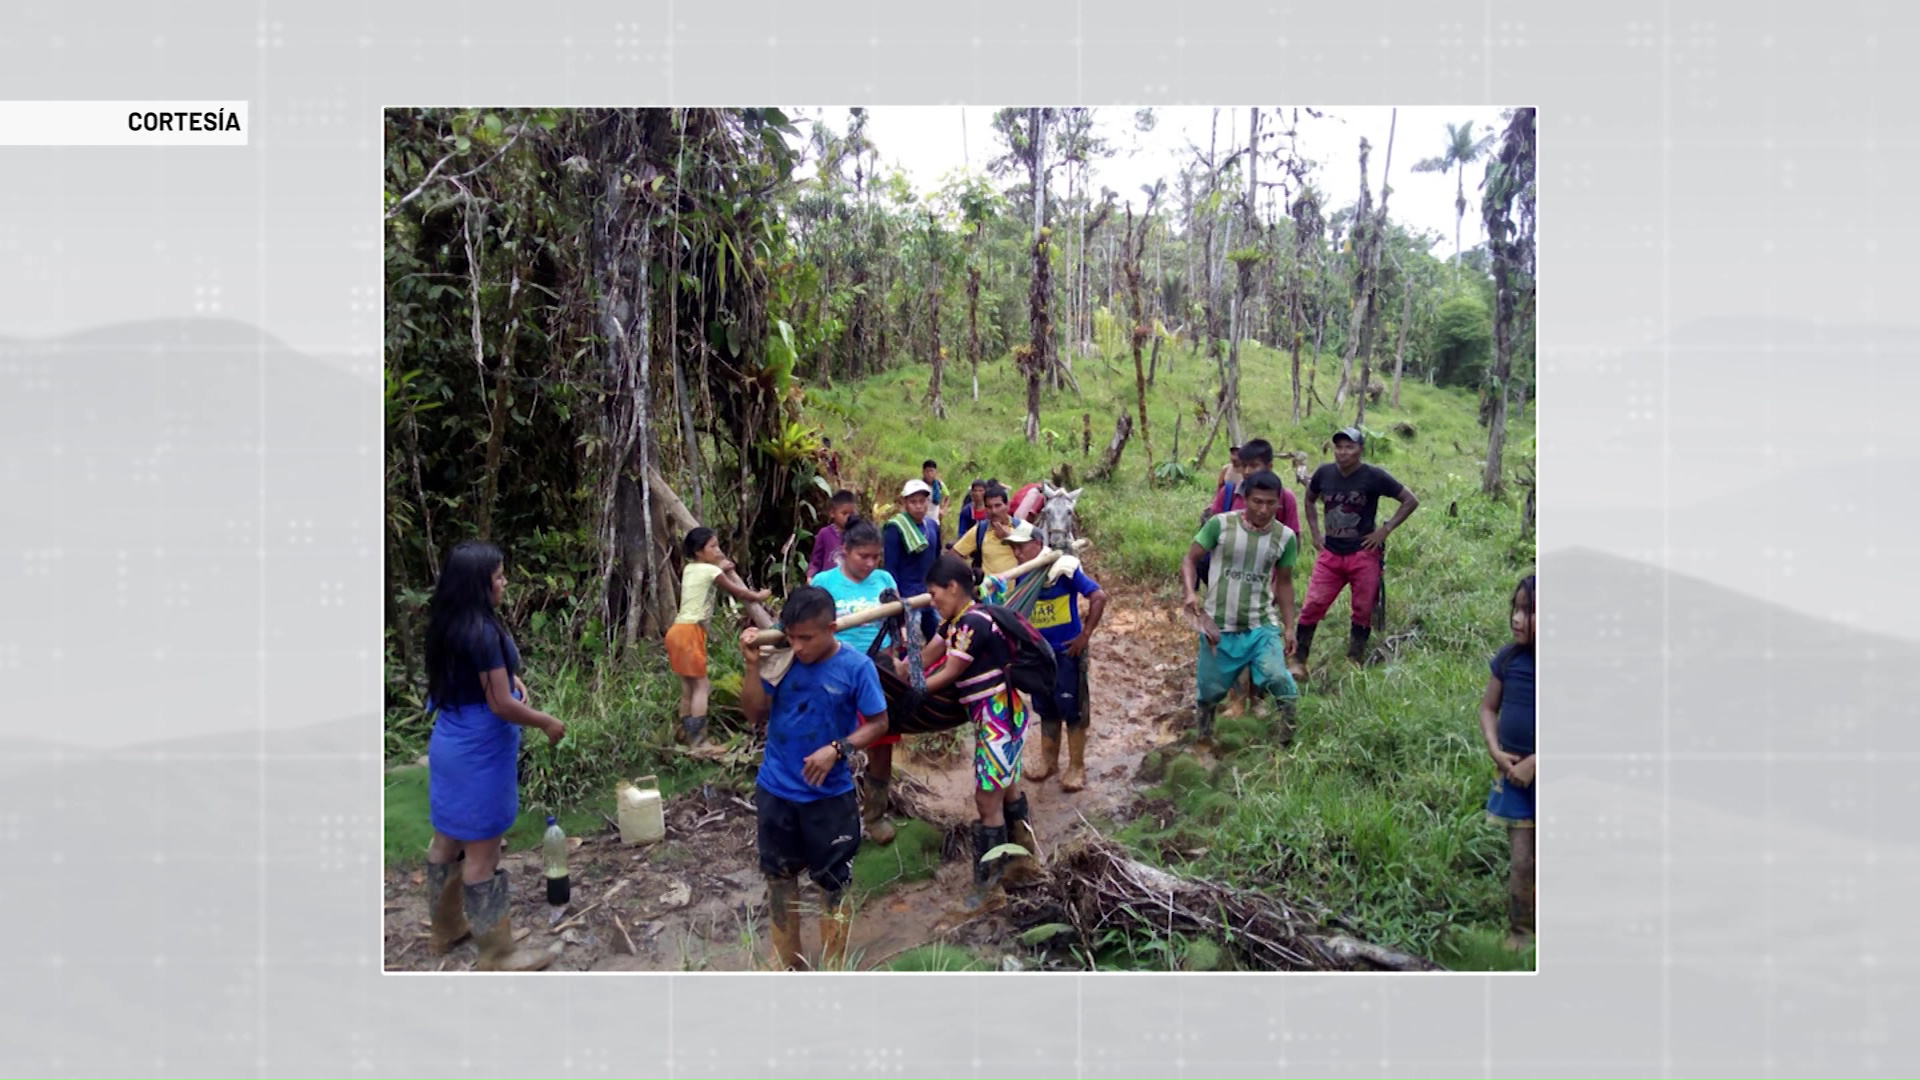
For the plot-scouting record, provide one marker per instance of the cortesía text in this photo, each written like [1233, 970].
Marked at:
[220, 120]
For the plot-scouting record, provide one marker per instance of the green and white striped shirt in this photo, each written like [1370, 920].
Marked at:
[1239, 591]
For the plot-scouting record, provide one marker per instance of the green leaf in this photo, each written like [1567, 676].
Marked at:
[462, 143]
[1044, 932]
[492, 125]
[1004, 851]
[821, 483]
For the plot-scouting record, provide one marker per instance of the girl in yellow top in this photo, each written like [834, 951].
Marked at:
[687, 637]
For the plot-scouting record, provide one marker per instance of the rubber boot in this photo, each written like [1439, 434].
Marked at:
[1357, 644]
[986, 892]
[783, 922]
[1049, 754]
[489, 910]
[693, 731]
[448, 907]
[1286, 710]
[1203, 723]
[1297, 663]
[836, 926]
[1076, 775]
[873, 811]
[1021, 870]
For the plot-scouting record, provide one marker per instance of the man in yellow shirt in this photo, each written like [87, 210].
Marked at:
[985, 544]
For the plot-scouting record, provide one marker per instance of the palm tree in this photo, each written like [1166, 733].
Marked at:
[1462, 150]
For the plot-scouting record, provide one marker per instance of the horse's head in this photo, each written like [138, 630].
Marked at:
[1056, 515]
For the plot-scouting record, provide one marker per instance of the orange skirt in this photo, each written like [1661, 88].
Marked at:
[687, 650]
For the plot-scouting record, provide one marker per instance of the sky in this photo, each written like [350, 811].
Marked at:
[929, 142]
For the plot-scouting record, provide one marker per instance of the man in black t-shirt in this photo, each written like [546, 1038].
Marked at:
[1349, 550]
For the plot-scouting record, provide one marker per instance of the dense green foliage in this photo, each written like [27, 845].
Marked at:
[709, 294]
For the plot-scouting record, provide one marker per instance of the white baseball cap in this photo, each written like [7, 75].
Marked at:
[1021, 532]
[915, 487]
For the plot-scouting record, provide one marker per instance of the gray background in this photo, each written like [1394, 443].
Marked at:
[190, 550]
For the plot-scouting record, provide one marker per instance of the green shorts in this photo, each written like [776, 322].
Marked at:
[1260, 651]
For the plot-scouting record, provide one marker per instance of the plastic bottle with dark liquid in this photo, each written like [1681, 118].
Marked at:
[559, 889]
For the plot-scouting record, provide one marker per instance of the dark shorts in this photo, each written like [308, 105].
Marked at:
[819, 837]
[1068, 701]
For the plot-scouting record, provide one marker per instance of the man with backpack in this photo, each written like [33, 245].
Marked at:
[985, 544]
[1050, 600]
[1246, 619]
[993, 661]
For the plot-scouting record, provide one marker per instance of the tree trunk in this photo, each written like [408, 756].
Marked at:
[973, 326]
[1366, 251]
[1206, 444]
[1122, 428]
[1512, 268]
[1039, 288]
[1244, 291]
[1140, 331]
[1376, 239]
[934, 403]
[1406, 320]
[646, 583]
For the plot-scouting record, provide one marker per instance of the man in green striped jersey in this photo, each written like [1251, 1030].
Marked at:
[1246, 619]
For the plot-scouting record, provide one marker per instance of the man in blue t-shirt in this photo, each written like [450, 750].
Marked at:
[827, 704]
[1056, 614]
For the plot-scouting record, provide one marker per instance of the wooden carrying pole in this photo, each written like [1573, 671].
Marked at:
[774, 638]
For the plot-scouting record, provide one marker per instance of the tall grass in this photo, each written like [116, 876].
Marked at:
[1376, 809]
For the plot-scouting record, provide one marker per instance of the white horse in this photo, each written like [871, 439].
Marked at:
[1057, 517]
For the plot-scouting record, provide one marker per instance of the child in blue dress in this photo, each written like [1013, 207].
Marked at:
[1506, 723]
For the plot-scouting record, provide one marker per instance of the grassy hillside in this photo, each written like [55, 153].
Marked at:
[1376, 809]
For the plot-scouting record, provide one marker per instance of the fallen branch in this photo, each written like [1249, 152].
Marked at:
[624, 936]
[1102, 886]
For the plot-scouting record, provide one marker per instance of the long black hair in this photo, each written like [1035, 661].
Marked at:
[950, 570]
[860, 533]
[462, 604]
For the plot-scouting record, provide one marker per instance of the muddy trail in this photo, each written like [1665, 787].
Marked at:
[695, 901]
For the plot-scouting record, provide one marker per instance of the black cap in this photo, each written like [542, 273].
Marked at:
[1352, 433]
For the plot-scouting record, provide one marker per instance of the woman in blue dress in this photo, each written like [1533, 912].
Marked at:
[478, 705]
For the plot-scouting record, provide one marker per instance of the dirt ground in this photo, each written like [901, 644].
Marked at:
[696, 901]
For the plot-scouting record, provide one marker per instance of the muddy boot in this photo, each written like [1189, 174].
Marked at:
[692, 731]
[873, 811]
[1203, 723]
[1285, 711]
[1357, 644]
[836, 926]
[1297, 663]
[986, 892]
[1021, 870]
[488, 909]
[448, 907]
[783, 922]
[1076, 775]
[1049, 754]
